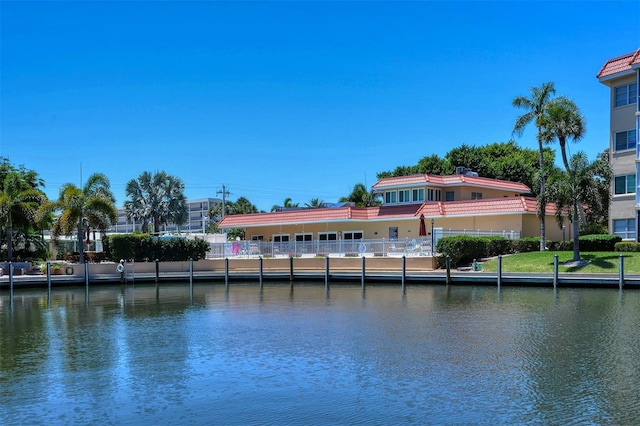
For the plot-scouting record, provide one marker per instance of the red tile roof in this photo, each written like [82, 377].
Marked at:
[492, 207]
[448, 181]
[619, 64]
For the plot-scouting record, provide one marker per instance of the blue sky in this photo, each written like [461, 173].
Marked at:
[287, 99]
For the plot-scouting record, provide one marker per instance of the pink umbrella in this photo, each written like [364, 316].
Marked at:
[423, 227]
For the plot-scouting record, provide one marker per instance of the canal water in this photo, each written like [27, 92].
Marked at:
[141, 355]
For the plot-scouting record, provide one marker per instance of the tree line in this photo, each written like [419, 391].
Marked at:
[581, 191]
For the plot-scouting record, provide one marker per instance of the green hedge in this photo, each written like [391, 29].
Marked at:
[143, 247]
[627, 246]
[463, 248]
[599, 242]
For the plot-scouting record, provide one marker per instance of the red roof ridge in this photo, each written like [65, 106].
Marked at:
[614, 65]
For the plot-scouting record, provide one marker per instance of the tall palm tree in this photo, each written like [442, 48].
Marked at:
[157, 199]
[563, 121]
[536, 106]
[93, 205]
[18, 201]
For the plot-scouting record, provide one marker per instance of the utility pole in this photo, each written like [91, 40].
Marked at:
[224, 193]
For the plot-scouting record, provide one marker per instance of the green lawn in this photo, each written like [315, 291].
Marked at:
[599, 262]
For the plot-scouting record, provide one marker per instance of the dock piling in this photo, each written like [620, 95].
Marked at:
[448, 265]
[555, 270]
[363, 272]
[326, 273]
[621, 271]
[48, 284]
[499, 270]
[291, 268]
[10, 284]
[86, 283]
[404, 274]
[226, 273]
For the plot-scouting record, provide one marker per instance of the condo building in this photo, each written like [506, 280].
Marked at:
[622, 76]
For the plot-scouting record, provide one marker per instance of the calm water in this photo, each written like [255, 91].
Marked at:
[459, 355]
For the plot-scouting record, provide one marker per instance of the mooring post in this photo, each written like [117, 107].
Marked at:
[226, 273]
[621, 278]
[291, 268]
[48, 283]
[448, 265]
[404, 273]
[190, 275]
[157, 271]
[363, 272]
[326, 273]
[10, 284]
[260, 263]
[555, 270]
[86, 282]
[499, 270]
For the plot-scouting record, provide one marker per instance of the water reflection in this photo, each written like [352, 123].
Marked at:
[276, 354]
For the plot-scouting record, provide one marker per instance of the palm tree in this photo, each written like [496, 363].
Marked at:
[579, 185]
[19, 201]
[361, 197]
[563, 121]
[536, 106]
[93, 205]
[287, 204]
[157, 199]
[314, 203]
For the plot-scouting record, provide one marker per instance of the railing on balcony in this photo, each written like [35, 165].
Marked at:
[420, 246]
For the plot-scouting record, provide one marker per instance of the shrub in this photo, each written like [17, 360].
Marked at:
[526, 245]
[496, 245]
[460, 248]
[627, 246]
[600, 242]
[143, 247]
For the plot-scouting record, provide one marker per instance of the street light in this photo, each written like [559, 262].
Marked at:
[432, 240]
[563, 227]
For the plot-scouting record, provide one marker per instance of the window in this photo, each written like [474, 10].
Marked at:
[403, 196]
[476, 195]
[418, 194]
[353, 235]
[304, 237]
[449, 196]
[257, 238]
[281, 238]
[625, 228]
[327, 236]
[626, 95]
[625, 185]
[390, 197]
[434, 194]
[625, 140]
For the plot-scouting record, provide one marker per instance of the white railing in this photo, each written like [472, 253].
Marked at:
[420, 246]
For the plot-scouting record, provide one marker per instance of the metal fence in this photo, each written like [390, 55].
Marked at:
[363, 247]
[420, 246]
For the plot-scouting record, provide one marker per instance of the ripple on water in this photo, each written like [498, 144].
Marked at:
[463, 355]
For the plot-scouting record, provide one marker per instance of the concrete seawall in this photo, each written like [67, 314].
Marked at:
[410, 270]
